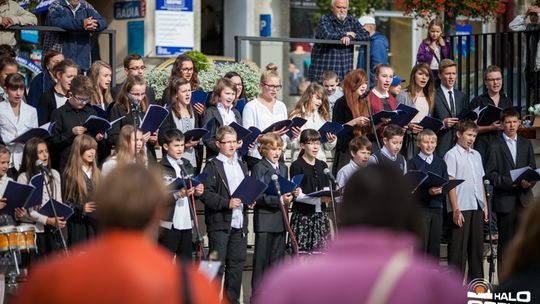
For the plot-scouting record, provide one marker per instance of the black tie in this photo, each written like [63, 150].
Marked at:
[452, 105]
[277, 170]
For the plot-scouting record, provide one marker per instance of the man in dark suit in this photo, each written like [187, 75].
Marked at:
[449, 103]
[508, 152]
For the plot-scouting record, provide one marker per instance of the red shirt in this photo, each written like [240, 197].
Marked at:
[117, 267]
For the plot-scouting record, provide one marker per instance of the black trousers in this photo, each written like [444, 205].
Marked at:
[466, 244]
[507, 224]
[177, 241]
[432, 221]
[269, 249]
[231, 246]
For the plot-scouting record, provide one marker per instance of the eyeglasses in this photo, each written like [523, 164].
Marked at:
[187, 69]
[230, 142]
[142, 68]
[275, 87]
[81, 99]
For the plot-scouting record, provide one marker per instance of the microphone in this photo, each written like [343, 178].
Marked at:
[276, 183]
[39, 163]
[183, 170]
[329, 175]
[489, 189]
[134, 103]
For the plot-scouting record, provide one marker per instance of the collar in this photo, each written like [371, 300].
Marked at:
[385, 152]
[173, 162]
[73, 9]
[446, 90]
[224, 159]
[507, 138]
[222, 107]
[354, 165]
[378, 94]
[462, 150]
[275, 166]
[425, 157]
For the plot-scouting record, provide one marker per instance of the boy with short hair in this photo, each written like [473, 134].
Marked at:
[225, 218]
[268, 222]
[360, 149]
[331, 86]
[508, 152]
[134, 66]
[467, 202]
[176, 232]
[431, 199]
[389, 154]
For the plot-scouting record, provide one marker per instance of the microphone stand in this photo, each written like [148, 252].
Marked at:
[333, 199]
[373, 128]
[200, 240]
[491, 257]
[47, 179]
[286, 217]
[135, 114]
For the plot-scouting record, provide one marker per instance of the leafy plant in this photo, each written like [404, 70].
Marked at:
[250, 74]
[202, 63]
[157, 80]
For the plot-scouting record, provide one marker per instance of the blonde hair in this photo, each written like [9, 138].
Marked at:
[303, 105]
[94, 75]
[270, 72]
[425, 133]
[74, 188]
[269, 141]
[123, 152]
[224, 130]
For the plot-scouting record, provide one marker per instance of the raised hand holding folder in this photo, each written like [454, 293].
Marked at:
[405, 115]
[377, 117]
[431, 123]
[285, 185]
[329, 127]
[199, 97]
[297, 122]
[96, 125]
[277, 126]
[248, 140]
[154, 117]
[249, 190]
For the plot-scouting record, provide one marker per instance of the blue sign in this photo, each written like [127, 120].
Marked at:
[175, 5]
[128, 10]
[30, 36]
[135, 37]
[171, 50]
[29, 64]
[265, 25]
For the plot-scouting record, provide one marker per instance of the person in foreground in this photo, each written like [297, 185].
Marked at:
[377, 257]
[123, 264]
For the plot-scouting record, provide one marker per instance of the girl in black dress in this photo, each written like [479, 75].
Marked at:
[309, 221]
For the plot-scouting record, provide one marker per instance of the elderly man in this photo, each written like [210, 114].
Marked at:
[338, 25]
[80, 19]
[12, 13]
[378, 51]
[530, 22]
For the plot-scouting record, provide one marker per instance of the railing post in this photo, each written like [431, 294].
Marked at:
[237, 49]
[112, 55]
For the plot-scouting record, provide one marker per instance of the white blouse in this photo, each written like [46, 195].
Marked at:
[12, 126]
[315, 121]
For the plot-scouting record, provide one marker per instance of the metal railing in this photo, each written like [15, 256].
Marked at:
[110, 33]
[474, 53]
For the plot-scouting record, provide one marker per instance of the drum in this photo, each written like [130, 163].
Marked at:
[8, 238]
[26, 237]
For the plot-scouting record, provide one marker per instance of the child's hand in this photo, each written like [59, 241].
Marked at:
[326, 199]
[234, 203]
[281, 131]
[182, 193]
[287, 198]
[331, 137]
[415, 128]
[295, 132]
[458, 218]
[525, 184]
[146, 137]
[441, 41]
[191, 191]
[199, 107]
[3, 203]
[153, 138]
[435, 190]
[89, 207]
[199, 189]
[496, 126]
[296, 192]
[61, 222]
[78, 130]
[450, 122]
[99, 137]
[20, 212]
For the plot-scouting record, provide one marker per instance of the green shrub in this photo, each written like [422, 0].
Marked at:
[202, 63]
[250, 74]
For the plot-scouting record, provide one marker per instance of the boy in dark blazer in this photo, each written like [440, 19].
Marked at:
[449, 103]
[269, 223]
[225, 217]
[508, 152]
[176, 233]
[430, 199]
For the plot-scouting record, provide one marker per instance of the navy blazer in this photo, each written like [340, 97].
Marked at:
[446, 137]
[213, 113]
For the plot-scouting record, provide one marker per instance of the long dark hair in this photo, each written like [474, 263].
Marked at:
[176, 71]
[29, 158]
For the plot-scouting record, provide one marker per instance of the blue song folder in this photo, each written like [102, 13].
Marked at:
[377, 117]
[451, 184]
[431, 123]
[249, 190]
[62, 210]
[524, 173]
[154, 117]
[195, 134]
[16, 195]
[277, 126]
[296, 122]
[43, 132]
[329, 127]
[405, 115]
[241, 132]
[285, 185]
[178, 183]
[199, 96]
[415, 178]
[95, 125]
[36, 198]
[100, 112]
[248, 140]
[489, 115]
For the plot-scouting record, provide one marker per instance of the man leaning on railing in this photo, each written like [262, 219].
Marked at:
[11, 14]
[338, 25]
